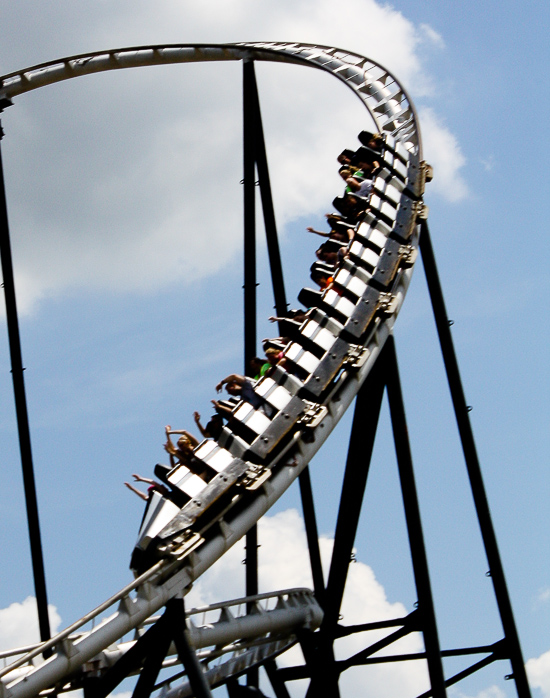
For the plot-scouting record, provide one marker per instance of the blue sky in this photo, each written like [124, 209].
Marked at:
[125, 211]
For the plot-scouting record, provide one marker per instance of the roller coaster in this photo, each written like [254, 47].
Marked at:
[340, 349]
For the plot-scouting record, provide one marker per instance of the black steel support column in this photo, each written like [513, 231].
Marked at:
[414, 525]
[308, 508]
[275, 679]
[318, 652]
[149, 652]
[267, 203]
[249, 161]
[154, 642]
[249, 180]
[279, 294]
[254, 155]
[363, 432]
[22, 414]
[186, 653]
[472, 465]
[321, 661]
[153, 663]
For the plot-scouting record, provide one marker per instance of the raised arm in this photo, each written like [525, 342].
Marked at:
[317, 232]
[169, 446]
[192, 439]
[232, 378]
[222, 410]
[168, 430]
[140, 478]
[136, 491]
[197, 418]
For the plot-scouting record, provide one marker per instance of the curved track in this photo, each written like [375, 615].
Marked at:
[329, 355]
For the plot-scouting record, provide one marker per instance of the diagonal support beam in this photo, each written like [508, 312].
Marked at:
[312, 535]
[466, 672]
[275, 679]
[472, 464]
[320, 659]
[260, 155]
[153, 664]
[363, 432]
[249, 169]
[130, 662]
[358, 658]
[345, 630]
[22, 416]
[414, 526]
[148, 654]
[186, 653]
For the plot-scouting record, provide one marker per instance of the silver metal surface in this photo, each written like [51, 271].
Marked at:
[386, 100]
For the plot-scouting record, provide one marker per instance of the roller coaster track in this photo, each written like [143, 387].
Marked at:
[393, 114]
[243, 632]
[331, 355]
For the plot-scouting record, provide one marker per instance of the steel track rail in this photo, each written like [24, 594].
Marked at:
[386, 100]
[205, 631]
[229, 644]
[246, 632]
[393, 113]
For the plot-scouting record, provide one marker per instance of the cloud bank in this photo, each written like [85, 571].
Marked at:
[19, 624]
[129, 181]
[443, 152]
[538, 672]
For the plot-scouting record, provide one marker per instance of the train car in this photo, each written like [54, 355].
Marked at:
[331, 343]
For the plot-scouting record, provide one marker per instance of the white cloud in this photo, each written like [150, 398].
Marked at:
[544, 595]
[538, 672]
[442, 151]
[377, 29]
[488, 163]
[432, 36]
[491, 692]
[129, 181]
[19, 624]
